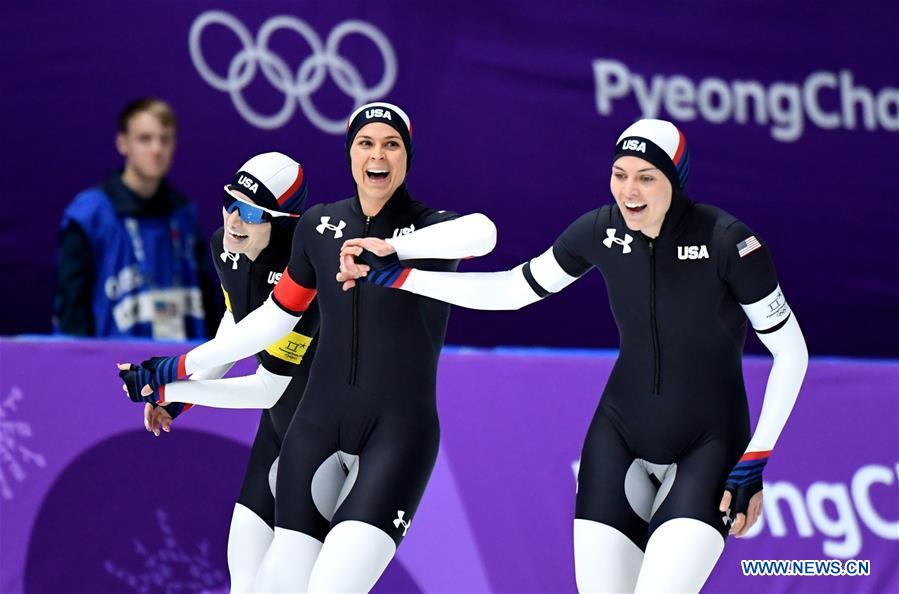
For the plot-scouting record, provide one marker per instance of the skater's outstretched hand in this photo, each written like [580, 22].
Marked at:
[156, 419]
[146, 382]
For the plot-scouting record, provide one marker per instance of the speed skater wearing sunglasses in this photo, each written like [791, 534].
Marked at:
[249, 212]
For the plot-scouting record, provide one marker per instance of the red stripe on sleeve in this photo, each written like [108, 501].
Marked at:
[293, 188]
[755, 455]
[291, 296]
[401, 278]
[182, 366]
[160, 394]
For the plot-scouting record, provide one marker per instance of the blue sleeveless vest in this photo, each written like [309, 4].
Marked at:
[143, 265]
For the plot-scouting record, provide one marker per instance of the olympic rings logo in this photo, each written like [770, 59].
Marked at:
[324, 61]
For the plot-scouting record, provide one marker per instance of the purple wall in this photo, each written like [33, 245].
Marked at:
[516, 109]
[88, 497]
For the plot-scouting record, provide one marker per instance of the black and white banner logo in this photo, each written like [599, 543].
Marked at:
[298, 89]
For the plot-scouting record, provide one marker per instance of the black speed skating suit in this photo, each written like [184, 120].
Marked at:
[246, 285]
[370, 402]
[673, 415]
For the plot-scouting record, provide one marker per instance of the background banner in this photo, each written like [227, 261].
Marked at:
[791, 113]
[88, 499]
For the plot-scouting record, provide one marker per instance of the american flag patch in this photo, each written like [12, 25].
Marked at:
[748, 245]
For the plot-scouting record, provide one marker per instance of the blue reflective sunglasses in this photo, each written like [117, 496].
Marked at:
[250, 213]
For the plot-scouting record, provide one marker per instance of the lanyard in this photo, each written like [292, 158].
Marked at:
[137, 244]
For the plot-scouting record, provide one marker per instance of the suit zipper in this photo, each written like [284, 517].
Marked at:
[657, 358]
[354, 361]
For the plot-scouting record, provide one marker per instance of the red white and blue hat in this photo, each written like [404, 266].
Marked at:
[661, 143]
[273, 181]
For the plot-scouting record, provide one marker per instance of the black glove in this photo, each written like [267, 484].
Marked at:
[385, 270]
[745, 480]
[175, 408]
[135, 379]
[165, 370]
[155, 372]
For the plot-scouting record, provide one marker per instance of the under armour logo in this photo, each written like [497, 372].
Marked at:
[337, 229]
[727, 519]
[399, 521]
[624, 243]
[226, 255]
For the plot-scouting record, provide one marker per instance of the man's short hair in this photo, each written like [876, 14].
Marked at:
[155, 107]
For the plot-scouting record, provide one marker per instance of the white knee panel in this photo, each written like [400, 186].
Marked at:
[680, 555]
[248, 541]
[605, 560]
[354, 556]
[288, 562]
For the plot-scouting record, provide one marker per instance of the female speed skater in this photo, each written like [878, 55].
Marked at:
[260, 211]
[362, 444]
[669, 466]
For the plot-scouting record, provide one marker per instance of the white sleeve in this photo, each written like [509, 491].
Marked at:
[265, 325]
[510, 289]
[217, 372]
[786, 343]
[470, 236]
[260, 390]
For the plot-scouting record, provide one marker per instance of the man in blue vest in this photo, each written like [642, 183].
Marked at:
[131, 259]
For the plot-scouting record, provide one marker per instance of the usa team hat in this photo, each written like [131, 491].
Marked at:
[273, 181]
[662, 144]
